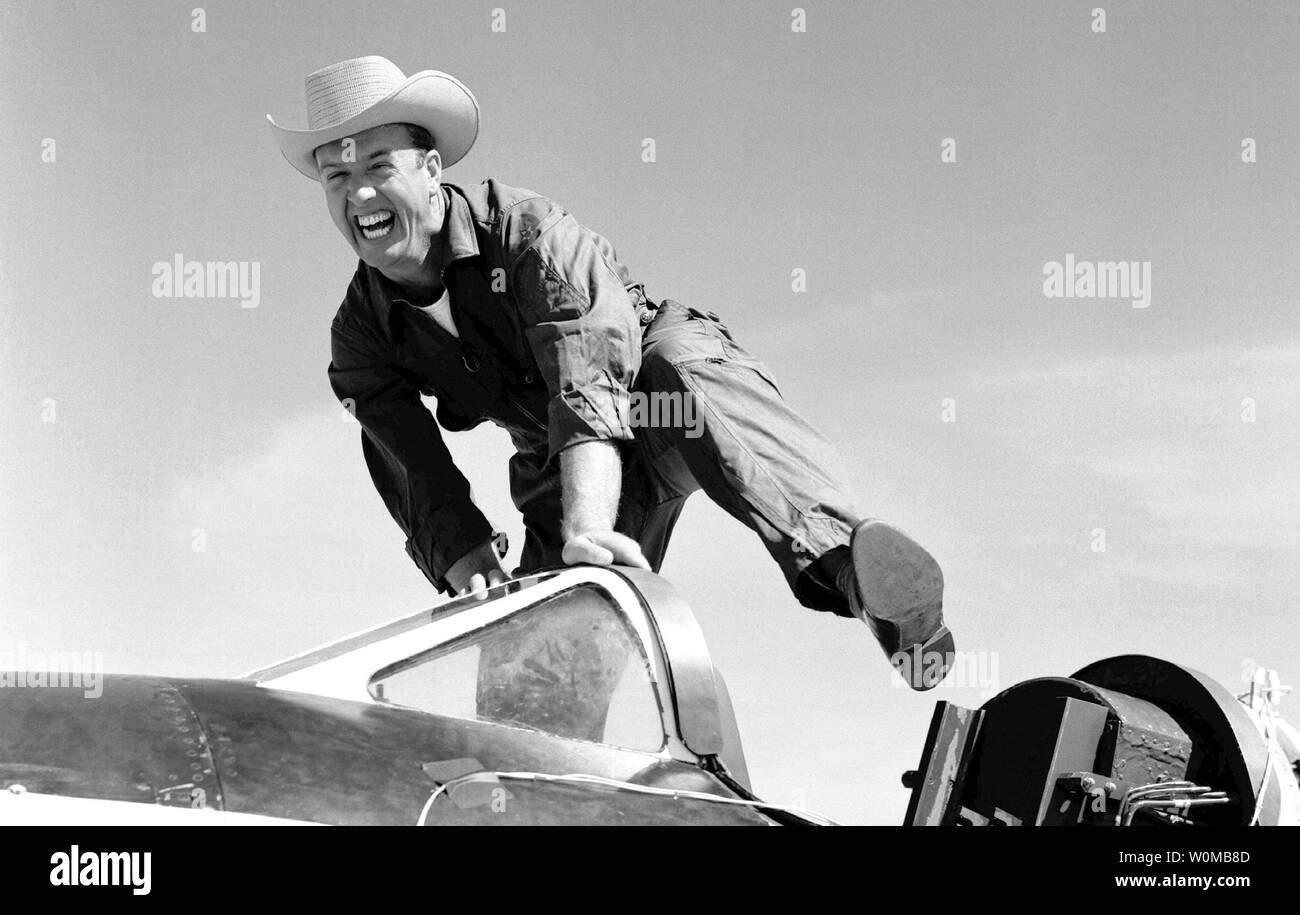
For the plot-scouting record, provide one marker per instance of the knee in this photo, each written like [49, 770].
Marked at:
[661, 368]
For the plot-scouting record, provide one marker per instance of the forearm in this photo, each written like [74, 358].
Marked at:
[409, 463]
[591, 475]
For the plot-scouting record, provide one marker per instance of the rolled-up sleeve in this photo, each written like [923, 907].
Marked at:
[579, 320]
[410, 465]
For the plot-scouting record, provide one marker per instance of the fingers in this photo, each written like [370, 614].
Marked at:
[582, 550]
[626, 550]
[604, 548]
[474, 584]
[479, 584]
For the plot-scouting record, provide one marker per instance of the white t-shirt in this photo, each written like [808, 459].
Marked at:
[440, 311]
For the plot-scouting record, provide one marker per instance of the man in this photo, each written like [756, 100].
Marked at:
[497, 303]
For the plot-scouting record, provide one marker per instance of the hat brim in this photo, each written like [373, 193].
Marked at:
[436, 101]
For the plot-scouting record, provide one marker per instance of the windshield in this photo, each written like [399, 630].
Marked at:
[570, 665]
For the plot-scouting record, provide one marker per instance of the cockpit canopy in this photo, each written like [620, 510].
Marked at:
[613, 657]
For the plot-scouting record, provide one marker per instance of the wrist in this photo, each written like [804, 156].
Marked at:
[482, 559]
[581, 526]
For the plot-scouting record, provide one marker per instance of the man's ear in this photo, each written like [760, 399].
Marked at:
[433, 164]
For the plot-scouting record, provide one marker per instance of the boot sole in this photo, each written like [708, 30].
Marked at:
[901, 588]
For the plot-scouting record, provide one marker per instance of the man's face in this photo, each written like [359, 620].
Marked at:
[383, 196]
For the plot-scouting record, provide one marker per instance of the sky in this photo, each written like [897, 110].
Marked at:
[1094, 478]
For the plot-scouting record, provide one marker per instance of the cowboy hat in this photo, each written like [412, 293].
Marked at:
[355, 95]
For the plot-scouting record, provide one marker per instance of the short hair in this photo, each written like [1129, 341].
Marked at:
[421, 139]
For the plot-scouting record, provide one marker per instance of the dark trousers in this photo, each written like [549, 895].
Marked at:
[711, 417]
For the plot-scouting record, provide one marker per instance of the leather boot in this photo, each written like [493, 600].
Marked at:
[894, 586]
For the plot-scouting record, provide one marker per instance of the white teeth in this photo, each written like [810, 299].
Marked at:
[370, 224]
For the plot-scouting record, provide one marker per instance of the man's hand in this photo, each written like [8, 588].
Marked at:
[476, 571]
[602, 548]
[591, 475]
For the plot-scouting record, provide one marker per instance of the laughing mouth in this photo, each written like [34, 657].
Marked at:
[374, 226]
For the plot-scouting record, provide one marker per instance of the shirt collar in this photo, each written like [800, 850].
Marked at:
[457, 239]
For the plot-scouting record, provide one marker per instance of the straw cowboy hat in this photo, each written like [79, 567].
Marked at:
[354, 95]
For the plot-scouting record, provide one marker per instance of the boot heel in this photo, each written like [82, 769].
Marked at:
[925, 665]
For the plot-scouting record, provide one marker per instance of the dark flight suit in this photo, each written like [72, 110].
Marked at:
[556, 340]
